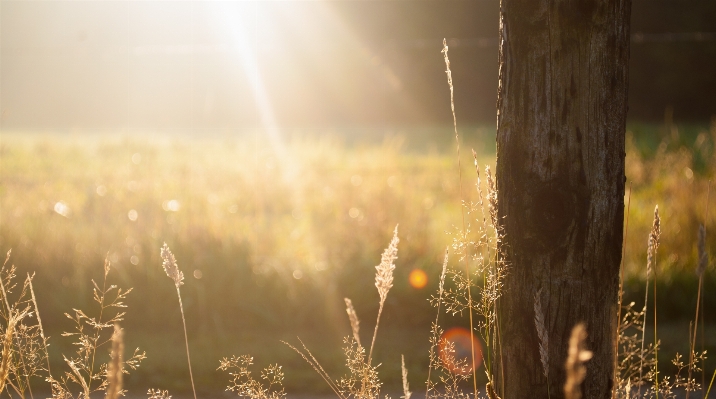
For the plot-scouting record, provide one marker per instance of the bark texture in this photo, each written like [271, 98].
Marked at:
[562, 104]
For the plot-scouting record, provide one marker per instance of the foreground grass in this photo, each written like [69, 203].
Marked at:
[273, 239]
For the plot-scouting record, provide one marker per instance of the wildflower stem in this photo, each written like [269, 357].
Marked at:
[186, 341]
[656, 341]
[462, 209]
[375, 332]
[437, 317]
[621, 298]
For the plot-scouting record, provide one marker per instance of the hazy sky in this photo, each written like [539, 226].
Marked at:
[193, 65]
[164, 65]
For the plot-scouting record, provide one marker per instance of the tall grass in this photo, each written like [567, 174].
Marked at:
[172, 269]
[99, 363]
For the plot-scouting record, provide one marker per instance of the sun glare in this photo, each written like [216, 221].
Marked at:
[418, 279]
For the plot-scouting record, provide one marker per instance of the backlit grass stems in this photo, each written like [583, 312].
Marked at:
[114, 372]
[464, 229]
[437, 317]
[653, 245]
[702, 262]
[700, 269]
[621, 299]
[170, 267]
[384, 281]
[7, 347]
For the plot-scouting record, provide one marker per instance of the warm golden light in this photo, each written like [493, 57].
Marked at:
[418, 279]
[455, 350]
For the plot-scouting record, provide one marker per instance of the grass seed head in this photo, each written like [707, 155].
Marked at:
[442, 275]
[653, 243]
[170, 266]
[158, 394]
[384, 271]
[406, 391]
[353, 317]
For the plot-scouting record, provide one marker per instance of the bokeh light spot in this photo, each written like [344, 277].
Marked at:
[101, 190]
[62, 208]
[457, 359]
[418, 279]
[171, 205]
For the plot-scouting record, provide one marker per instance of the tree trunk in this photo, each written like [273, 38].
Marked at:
[562, 104]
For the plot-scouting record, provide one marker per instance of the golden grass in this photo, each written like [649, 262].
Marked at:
[335, 184]
[172, 269]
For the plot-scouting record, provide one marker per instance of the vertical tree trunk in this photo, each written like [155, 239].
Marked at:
[562, 107]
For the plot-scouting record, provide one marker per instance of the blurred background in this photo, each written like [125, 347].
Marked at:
[275, 145]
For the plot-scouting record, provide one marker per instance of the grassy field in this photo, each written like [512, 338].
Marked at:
[272, 235]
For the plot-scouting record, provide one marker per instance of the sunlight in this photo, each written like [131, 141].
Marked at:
[242, 30]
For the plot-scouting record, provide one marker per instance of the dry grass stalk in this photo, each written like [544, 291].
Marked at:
[158, 394]
[576, 356]
[311, 360]
[384, 280]
[491, 391]
[6, 363]
[633, 357]
[437, 302]
[245, 385]
[491, 196]
[39, 321]
[115, 369]
[621, 299]
[29, 352]
[541, 328]
[353, 317]
[170, 267]
[653, 245]
[362, 382]
[706, 261]
[404, 373]
[453, 372]
[448, 72]
[22, 373]
[84, 370]
[708, 391]
[700, 269]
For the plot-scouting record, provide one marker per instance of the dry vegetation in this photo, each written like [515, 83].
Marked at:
[321, 210]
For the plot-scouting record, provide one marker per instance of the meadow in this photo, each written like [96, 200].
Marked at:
[271, 235]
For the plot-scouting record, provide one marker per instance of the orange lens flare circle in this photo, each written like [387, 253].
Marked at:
[418, 279]
[455, 351]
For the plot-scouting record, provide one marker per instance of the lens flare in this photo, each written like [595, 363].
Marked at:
[418, 279]
[457, 359]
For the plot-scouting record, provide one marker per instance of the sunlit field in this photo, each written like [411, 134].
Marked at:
[271, 236]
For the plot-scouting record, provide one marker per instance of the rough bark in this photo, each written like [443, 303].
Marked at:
[562, 105]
